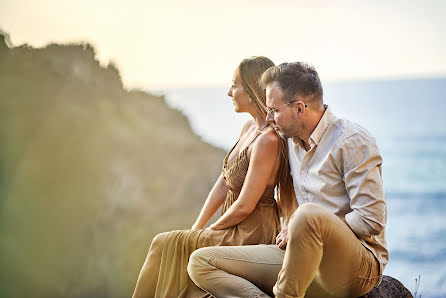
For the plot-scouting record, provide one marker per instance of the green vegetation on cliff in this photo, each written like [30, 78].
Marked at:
[89, 173]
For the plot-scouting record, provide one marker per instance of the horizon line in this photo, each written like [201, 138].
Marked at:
[162, 87]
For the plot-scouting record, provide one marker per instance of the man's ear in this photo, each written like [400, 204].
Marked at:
[300, 106]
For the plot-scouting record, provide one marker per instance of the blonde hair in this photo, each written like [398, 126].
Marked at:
[250, 71]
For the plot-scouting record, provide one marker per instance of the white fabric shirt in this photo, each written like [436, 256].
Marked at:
[342, 172]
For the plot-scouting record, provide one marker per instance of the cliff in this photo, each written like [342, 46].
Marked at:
[89, 173]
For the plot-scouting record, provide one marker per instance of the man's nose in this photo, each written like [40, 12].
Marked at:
[269, 118]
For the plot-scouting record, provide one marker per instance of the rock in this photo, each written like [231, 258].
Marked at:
[389, 287]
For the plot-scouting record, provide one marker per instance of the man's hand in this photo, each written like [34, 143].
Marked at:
[345, 221]
[282, 238]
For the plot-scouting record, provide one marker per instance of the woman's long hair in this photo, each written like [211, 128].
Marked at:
[250, 71]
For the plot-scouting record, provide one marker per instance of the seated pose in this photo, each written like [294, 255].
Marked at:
[252, 169]
[334, 244]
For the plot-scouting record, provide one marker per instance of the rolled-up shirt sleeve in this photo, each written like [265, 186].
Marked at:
[361, 167]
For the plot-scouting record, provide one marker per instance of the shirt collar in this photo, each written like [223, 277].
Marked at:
[321, 127]
[323, 124]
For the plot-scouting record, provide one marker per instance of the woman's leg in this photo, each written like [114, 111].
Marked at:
[148, 277]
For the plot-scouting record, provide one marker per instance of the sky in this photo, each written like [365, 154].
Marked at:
[177, 43]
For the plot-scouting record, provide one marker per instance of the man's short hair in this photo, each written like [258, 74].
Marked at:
[295, 79]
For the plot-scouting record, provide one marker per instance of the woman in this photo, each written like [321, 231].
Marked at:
[252, 169]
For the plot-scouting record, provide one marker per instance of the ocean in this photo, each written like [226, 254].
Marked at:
[406, 118]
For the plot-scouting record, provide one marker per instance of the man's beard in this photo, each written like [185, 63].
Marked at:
[282, 134]
[278, 131]
[290, 132]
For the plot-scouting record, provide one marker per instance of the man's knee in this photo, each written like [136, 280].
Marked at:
[307, 212]
[199, 264]
[308, 217]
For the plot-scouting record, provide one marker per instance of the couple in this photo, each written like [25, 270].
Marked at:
[332, 245]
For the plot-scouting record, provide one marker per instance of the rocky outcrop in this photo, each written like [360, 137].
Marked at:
[90, 172]
[389, 288]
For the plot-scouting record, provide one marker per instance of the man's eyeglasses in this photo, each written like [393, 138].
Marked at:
[272, 112]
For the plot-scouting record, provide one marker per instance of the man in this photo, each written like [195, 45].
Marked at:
[334, 244]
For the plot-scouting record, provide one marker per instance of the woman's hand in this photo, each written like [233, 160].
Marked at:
[214, 227]
[196, 227]
[282, 238]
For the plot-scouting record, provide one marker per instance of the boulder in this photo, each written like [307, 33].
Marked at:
[389, 287]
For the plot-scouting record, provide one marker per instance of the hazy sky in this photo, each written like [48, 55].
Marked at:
[199, 42]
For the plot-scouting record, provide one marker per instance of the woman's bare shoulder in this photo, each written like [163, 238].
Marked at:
[246, 126]
[267, 142]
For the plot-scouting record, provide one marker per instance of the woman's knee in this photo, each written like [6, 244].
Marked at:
[158, 242]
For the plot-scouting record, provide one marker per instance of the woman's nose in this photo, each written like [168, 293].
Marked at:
[230, 92]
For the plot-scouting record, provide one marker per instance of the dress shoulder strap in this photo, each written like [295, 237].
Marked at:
[225, 160]
[258, 134]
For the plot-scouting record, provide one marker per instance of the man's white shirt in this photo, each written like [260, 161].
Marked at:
[342, 172]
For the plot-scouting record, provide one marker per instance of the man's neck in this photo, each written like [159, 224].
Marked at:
[313, 123]
[304, 144]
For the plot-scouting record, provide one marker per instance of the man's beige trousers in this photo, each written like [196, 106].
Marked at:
[323, 258]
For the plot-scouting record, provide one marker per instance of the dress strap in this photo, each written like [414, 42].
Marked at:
[258, 134]
[225, 160]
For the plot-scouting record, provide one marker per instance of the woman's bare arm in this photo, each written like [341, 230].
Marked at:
[217, 195]
[214, 200]
[261, 166]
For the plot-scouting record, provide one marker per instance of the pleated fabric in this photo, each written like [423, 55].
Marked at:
[260, 227]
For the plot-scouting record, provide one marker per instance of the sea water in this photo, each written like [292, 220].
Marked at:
[408, 120]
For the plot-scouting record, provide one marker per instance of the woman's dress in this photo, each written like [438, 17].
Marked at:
[260, 227]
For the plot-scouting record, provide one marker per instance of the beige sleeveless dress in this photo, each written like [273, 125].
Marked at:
[260, 227]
